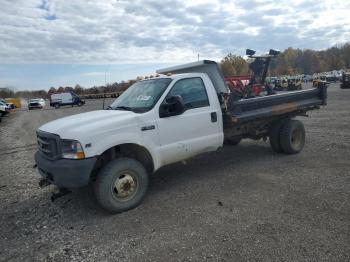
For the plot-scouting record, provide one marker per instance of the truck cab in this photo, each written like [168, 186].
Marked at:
[172, 117]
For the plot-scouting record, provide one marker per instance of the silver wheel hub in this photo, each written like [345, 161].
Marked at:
[125, 186]
[296, 137]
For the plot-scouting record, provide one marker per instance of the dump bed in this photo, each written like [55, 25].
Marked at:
[290, 102]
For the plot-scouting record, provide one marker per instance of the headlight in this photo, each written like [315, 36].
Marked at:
[72, 149]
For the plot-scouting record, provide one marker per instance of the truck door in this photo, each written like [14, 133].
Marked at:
[198, 129]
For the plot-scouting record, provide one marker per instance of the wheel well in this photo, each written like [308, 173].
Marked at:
[130, 150]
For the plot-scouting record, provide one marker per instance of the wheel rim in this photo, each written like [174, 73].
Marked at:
[125, 186]
[296, 138]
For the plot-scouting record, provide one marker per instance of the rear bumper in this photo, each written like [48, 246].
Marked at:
[65, 173]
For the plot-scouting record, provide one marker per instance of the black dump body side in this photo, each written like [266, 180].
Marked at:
[296, 102]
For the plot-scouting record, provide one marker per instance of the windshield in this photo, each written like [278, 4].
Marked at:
[34, 100]
[141, 96]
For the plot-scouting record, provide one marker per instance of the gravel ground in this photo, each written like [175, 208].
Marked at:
[242, 203]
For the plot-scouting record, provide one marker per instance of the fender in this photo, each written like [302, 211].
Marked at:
[101, 145]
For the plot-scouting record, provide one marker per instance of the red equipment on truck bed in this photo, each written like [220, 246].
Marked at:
[235, 81]
[240, 85]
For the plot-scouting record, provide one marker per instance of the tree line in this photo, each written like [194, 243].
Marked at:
[108, 88]
[294, 62]
[77, 89]
[290, 62]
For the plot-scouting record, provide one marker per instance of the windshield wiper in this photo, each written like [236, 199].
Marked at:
[127, 108]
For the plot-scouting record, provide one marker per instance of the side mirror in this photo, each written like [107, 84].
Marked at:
[172, 106]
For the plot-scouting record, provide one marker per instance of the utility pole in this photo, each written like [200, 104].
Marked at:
[104, 91]
[198, 56]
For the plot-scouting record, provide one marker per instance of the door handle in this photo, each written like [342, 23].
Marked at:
[214, 117]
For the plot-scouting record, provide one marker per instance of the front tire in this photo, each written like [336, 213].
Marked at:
[292, 137]
[121, 185]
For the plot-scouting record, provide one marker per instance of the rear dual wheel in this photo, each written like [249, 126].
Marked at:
[274, 136]
[287, 136]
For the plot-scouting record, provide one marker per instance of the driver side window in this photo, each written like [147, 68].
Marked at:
[192, 91]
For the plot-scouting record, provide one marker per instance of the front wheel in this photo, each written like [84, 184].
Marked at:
[121, 185]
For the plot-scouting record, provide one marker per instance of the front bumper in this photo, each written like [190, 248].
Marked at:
[65, 173]
[35, 106]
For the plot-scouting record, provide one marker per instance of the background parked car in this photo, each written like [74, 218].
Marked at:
[16, 102]
[36, 103]
[9, 104]
[4, 109]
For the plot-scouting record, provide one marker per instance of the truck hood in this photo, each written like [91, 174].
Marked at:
[75, 126]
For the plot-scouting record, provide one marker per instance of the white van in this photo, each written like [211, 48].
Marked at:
[67, 98]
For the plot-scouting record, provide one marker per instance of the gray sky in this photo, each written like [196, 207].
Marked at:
[64, 42]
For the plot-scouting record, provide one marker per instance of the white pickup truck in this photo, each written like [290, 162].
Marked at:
[4, 109]
[185, 111]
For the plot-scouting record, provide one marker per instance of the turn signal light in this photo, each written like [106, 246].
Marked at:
[80, 155]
